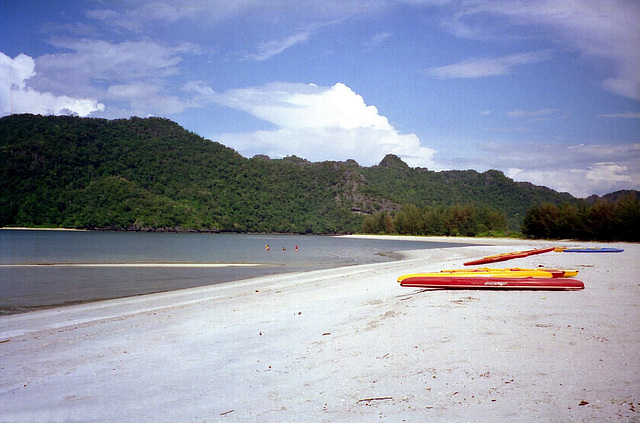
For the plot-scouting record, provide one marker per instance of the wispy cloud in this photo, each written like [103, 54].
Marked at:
[105, 60]
[530, 113]
[625, 115]
[378, 39]
[272, 48]
[133, 75]
[606, 29]
[486, 67]
[269, 49]
[140, 15]
[137, 16]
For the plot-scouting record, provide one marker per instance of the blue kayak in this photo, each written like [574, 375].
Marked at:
[593, 250]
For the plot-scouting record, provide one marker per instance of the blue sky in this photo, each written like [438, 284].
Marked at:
[546, 91]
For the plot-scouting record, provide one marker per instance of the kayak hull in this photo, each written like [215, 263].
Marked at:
[593, 250]
[515, 272]
[470, 282]
[483, 274]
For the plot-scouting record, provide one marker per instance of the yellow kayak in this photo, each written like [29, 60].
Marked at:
[556, 273]
[496, 273]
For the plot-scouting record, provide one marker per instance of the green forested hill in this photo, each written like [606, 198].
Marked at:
[151, 173]
[422, 187]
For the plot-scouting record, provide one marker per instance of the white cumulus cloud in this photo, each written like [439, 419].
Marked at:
[317, 123]
[17, 97]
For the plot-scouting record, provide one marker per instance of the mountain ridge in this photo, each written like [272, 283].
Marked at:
[152, 174]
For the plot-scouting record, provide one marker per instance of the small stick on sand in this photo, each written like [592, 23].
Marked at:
[375, 399]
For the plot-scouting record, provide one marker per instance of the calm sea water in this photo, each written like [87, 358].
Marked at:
[50, 268]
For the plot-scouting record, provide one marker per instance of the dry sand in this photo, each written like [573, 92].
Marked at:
[346, 344]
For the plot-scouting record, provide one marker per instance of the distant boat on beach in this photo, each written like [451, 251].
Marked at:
[590, 250]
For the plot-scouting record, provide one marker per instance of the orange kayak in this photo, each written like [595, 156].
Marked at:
[508, 256]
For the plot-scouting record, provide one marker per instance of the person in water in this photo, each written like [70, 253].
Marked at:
[267, 248]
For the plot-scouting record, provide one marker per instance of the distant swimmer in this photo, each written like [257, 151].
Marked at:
[284, 249]
[267, 248]
[296, 248]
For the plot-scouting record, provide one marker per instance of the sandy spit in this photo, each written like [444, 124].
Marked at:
[154, 264]
[23, 228]
[345, 344]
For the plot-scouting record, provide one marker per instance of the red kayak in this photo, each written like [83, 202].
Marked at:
[508, 256]
[472, 282]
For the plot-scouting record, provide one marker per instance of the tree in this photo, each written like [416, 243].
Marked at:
[409, 220]
[540, 221]
[604, 220]
[627, 218]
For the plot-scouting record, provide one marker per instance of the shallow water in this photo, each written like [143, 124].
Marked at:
[51, 268]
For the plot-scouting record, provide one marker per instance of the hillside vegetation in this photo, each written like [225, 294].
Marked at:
[152, 174]
[615, 217]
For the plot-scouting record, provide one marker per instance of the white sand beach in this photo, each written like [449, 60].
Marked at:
[338, 345]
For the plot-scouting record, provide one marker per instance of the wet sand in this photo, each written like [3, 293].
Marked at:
[346, 344]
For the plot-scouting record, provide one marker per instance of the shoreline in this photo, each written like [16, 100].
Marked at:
[146, 264]
[341, 344]
[80, 279]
